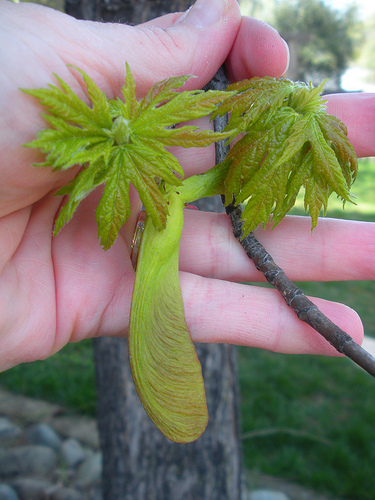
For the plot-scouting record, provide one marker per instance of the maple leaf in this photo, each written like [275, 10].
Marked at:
[119, 142]
[290, 142]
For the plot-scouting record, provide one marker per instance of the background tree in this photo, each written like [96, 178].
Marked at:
[257, 8]
[366, 59]
[138, 461]
[332, 36]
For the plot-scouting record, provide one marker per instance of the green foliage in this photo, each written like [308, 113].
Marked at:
[121, 142]
[366, 58]
[289, 143]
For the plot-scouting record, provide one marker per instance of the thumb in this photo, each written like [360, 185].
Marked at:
[196, 42]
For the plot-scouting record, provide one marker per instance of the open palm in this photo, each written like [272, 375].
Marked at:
[55, 290]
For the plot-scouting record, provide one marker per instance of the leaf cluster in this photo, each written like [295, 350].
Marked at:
[121, 141]
[289, 142]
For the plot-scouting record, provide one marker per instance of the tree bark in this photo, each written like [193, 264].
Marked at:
[138, 461]
[124, 11]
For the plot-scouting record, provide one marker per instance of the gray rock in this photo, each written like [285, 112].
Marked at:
[9, 465]
[27, 460]
[267, 495]
[26, 410]
[6, 425]
[72, 452]
[32, 489]
[66, 494]
[90, 471]
[8, 431]
[7, 493]
[82, 428]
[43, 434]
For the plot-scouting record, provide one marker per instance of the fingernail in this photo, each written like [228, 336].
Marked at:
[204, 13]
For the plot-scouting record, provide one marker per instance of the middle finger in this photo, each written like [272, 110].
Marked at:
[336, 250]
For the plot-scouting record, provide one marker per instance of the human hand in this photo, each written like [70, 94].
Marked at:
[56, 290]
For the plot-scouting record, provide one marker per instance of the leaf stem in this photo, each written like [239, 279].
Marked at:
[210, 183]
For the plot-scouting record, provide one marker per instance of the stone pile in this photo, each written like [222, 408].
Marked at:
[38, 463]
[48, 454]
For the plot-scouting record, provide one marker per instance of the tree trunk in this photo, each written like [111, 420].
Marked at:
[139, 463]
[124, 11]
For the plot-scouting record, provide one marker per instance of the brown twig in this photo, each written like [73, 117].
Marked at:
[306, 310]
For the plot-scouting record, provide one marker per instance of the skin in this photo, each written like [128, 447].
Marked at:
[65, 289]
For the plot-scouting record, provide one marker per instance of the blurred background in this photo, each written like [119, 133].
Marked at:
[306, 419]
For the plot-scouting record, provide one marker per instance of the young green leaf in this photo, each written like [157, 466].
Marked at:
[290, 142]
[119, 142]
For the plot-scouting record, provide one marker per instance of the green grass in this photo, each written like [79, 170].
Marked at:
[364, 191]
[308, 419]
[67, 378]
